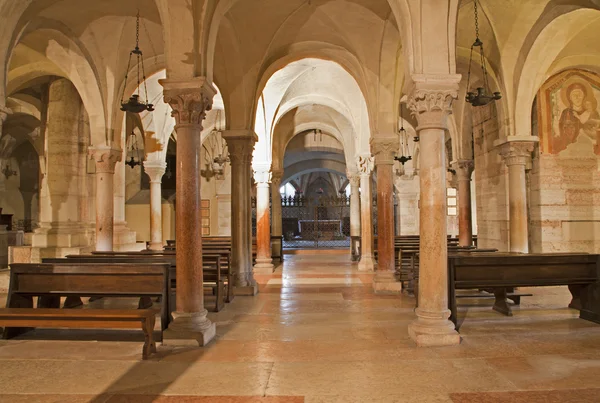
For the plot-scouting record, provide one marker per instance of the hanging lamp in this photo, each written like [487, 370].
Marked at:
[404, 142]
[133, 150]
[134, 104]
[481, 95]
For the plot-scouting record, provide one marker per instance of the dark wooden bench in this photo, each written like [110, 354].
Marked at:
[502, 271]
[50, 282]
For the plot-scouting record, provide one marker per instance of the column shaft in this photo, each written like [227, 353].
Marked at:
[263, 224]
[155, 171]
[464, 170]
[354, 179]
[367, 261]
[276, 219]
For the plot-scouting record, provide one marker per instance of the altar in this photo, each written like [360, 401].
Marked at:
[325, 229]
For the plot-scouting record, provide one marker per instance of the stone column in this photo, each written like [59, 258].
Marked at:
[354, 180]
[431, 103]
[241, 145]
[464, 170]
[264, 262]
[517, 154]
[106, 158]
[365, 168]
[276, 219]
[155, 171]
[384, 149]
[190, 100]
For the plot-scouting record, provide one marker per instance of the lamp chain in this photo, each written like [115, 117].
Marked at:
[476, 20]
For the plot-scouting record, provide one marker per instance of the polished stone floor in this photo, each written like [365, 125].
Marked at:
[315, 334]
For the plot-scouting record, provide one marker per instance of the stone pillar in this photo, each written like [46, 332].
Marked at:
[365, 168]
[276, 219]
[464, 170]
[264, 262]
[384, 148]
[190, 100]
[517, 154]
[155, 171]
[241, 145]
[354, 179]
[106, 158]
[431, 103]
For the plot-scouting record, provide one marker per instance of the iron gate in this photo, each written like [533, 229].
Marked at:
[316, 223]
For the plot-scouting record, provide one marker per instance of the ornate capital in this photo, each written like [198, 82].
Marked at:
[464, 169]
[430, 100]
[516, 152]
[276, 177]
[365, 164]
[385, 149]
[155, 170]
[262, 174]
[354, 179]
[106, 158]
[240, 144]
[190, 99]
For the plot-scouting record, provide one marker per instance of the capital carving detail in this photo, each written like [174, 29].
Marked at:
[464, 169]
[354, 179]
[106, 158]
[384, 149]
[365, 164]
[155, 171]
[240, 150]
[190, 100]
[516, 152]
[430, 101]
[276, 177]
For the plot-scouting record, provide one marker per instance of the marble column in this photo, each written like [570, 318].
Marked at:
[240, 144]
[190, 100]
[264, 262]
[106, 159]
[155, 171]
[354, 179]
[517, 154]
[365, 169]
[384, 148]
[464, 171]
[276, 219]
[431, 103]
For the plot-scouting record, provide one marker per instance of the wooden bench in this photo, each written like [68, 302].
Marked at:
[84, 319]
[502, 271]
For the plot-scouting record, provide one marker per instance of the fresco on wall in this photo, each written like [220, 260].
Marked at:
[569, 113]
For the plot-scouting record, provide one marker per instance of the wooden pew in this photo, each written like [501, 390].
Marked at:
[499, 271]
[50, 282]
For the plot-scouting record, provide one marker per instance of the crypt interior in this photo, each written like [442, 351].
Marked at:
[300, 201]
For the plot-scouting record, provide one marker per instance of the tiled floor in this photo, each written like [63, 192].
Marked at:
[316, 334]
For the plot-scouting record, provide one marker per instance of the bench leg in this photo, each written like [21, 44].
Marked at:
[576, 293]
[72, 302]
[17, 301]
[149, 344]
[219, 296]
[515, 298]
[230, 292]
[501, 304]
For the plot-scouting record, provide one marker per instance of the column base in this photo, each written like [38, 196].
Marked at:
[246, 291]
[433, 329]
[367, 263]
[385, 283]
[189, 329]
[156, 246]
[263, 266]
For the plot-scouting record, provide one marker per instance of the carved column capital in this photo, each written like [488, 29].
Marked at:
[464, 169]
[189, 99]
[240, 144]
[106, 158]
[276, 177]
[262, 174]
[365, 164]
[354, 179]
[384, 148]
[430, 100]
[516, 152]
[155, 170]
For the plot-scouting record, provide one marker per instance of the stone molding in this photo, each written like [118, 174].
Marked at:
[464, 169]
[365, 164]
[276, 177]
[189, 99]
[385, 149]
[106, 158]
[240, 144]
[431, 98]
[516, 152]
[155, 170]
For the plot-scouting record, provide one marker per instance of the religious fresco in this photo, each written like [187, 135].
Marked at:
[569, 113]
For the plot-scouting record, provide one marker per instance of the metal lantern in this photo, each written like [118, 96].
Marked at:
[481, 95]
[406, 154]
[133, 150]
[134, 104]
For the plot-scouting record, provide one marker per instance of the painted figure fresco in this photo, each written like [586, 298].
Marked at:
[569, 110]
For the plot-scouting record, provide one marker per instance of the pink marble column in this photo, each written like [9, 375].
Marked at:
[240, 144]
[365, 168]
[264, 262]
[464, 170]
[384, 149]
[276, 220]
[155, 171]
[106, 158]
[190, 100]
[517, 154]
[431, 103]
